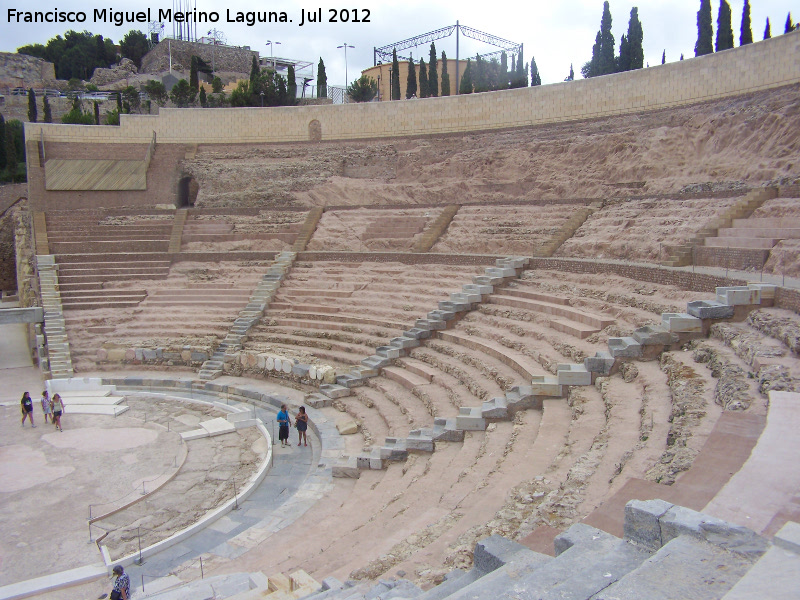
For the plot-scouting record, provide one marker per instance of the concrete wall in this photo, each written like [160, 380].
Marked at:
[762, 65]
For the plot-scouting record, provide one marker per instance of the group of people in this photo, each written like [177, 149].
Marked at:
[52, 409]
[300, 421]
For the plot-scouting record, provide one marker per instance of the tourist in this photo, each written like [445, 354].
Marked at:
[283, 426]
[58, 409]
[47, 409]
[26, 405]
[122, 585]
[301, 421]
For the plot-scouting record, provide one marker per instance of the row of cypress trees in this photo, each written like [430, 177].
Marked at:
[706, 44]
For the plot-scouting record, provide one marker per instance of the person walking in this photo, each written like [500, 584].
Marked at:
[122, 584]
[301, 421]
[283, 426]
[58, 410]
[26, 404]
[47, 409]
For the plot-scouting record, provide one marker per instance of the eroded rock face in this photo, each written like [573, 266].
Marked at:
[784, 329]
[125, 68]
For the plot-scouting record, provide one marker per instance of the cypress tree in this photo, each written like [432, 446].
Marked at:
[746, 32]
[479, 75]
[433, 73]
[411, 80]
[254, 73]
[11, 156]
[535, 77]
[592, 68]
[504, 76]
[767, 31]
[571, 76]
[789, 25]
[681, 55]
[203, 97]
[664, 57]
[445, 76]
[322, 80]
[119, 103]
[291, 91]
[423, 79]
[624, 61]
[194, 81]
[32, 112]
[705, 30]
[97, 112]
[522, 71]
[607, 62]
[635, 40]
[466, 80]
[395, 76]
[724, 28]
[2, 143]
[47, 113]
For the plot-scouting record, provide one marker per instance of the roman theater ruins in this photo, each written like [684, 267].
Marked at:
[547, 338]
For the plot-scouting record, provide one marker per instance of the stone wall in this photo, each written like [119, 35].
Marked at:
[21, 70]
[9, 195]
[224, 58]
[762, 65]
[742, 259]
[16, 107]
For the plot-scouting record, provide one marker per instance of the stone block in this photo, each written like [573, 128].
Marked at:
[788, 537]
[681, 323]
[218, 426]
[419, 333]
[642, 524]
[348, 427]
[442, 315]
[300, 370]
[194, 434]
[654, 335]
[571, 374]
[738, 295]
[465, 297]
[626, 347]
[346, 467]
[679, 520]
[430, 324]
[419, 442]
[334, 391]
[709, 309]
[394, 449]
[494, 409]
[767, 290]
[404, 342]
[494, 552]
[501, 272]
[470, 419]
[473, 288]
[376, 362]
[454, 307]
[521, 397]
[487, 280]
[389, 352]
[601, 363]
[545, 385]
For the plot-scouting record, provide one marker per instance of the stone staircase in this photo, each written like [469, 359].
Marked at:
[59, 359]
[436, 230]
[682, 255]
[312, 220]
[177, 231]
[236, 586]
[248, 317]
[567, 230]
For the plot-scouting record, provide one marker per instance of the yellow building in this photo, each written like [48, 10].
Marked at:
[381, 74]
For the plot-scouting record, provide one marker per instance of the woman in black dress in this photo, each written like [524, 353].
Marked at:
[301, 420]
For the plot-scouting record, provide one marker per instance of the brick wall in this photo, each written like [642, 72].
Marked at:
[743, 259]
[788, 299]
[762, 65]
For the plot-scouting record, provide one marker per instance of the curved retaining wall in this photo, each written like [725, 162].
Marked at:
[762, 65]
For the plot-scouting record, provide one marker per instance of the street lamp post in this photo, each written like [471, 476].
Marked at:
[345, 46]
[272, 52]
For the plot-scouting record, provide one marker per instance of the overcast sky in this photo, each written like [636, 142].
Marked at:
[554, 33]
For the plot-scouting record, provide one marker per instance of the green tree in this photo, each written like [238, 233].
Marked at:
[130, 95]
[591, 68]
[11, 158]
[411, 80]
[505, 76]
[156, 91]
[522, 72]
[254, 71]
[445, 76]
[216, 85]
[465, 87]
[241, 95]
[112, 118]
[2, 143]
[134, 46]
[97, 112]
[624, 59]
[635, 40]
[32, 112]
[746, 32]
[607, 62]
[724, 27]
[119, 101]
[194, 81]
[76, 116]
[789, 25]
[291, 90]
[535, 77]
[433, 73]
[423, 79]
[767, 31]
[47, 113]
[74, 55]
[322, 80]
[705, 30]
[363, 89]
[203, 97]
[395, 80]
[479, 79]
[181, 94]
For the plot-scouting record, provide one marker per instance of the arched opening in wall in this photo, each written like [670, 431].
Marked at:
[187, 191]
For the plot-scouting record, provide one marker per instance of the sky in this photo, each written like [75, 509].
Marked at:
[555, 33]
